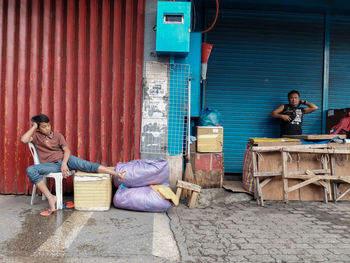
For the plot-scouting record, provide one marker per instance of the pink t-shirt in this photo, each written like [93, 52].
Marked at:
[49, 148]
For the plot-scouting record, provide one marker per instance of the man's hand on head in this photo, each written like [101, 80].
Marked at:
[27, 136]
[34, 124]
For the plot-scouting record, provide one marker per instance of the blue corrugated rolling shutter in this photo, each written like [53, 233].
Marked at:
[339, 62]
[256, 60]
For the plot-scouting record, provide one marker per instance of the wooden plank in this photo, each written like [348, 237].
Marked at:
[302, 177]
[324, 177]
[345, 179]
[325, 188]
[318, 171]
[266, 174]
[325, 185]
[295, 147]
[316, 178]
[309, 181]
[325, 151]
[335, 178]
[291, 173]
[308, 172]
[265, 182]
[266, 143]
[342, 187]
[188, 186]
[306, 177]
[316, 137]
[343, 194]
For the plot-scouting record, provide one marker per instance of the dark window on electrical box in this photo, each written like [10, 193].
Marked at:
[173, 19]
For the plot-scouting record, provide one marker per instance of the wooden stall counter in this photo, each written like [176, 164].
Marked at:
[286, 170]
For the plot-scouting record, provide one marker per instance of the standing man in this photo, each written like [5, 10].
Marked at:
[291, 114]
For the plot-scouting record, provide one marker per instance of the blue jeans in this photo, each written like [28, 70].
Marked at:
[36, 172]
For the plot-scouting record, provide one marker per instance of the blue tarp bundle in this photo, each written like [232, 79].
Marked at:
[335, 139]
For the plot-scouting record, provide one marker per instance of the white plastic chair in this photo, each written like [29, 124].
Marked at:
[57, 176]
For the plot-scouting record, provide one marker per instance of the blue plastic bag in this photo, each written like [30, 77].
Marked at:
[209, 117]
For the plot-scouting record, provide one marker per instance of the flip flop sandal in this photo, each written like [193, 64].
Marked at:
[70, 204]
[48, 212]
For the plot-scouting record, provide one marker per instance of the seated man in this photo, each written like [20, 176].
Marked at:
[55, 156]
[291, 114]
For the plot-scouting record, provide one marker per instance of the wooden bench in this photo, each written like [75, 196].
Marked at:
[193, 189]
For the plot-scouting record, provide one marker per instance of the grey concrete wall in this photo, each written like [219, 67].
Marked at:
[150, 33]
[149, 50]
[175, 162]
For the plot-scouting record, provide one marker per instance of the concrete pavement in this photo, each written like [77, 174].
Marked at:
[224, 227]
[77, 236]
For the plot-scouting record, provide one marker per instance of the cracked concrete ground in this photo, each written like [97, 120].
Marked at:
[226, 227]
[78, 236]
[223, 227]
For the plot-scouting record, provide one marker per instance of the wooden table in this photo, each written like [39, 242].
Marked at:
[324, 176]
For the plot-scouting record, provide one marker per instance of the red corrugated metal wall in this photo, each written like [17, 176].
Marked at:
[79, 62]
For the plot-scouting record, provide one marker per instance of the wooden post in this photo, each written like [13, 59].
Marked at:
[178, 192]
[193, 199]
[284, 175]
[326, 190]
[256, 179]
[334, 184]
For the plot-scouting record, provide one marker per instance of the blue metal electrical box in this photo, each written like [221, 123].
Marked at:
[173, 28]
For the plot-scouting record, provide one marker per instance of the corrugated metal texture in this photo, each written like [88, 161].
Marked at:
[339, 63]
[79, 62]
[256, 60]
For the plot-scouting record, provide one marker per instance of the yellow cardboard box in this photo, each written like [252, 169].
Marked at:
[210, 138]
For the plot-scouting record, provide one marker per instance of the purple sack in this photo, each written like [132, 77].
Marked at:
[143, 172]
[140, 199]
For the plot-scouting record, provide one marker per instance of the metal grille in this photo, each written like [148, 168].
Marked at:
[165, 108]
